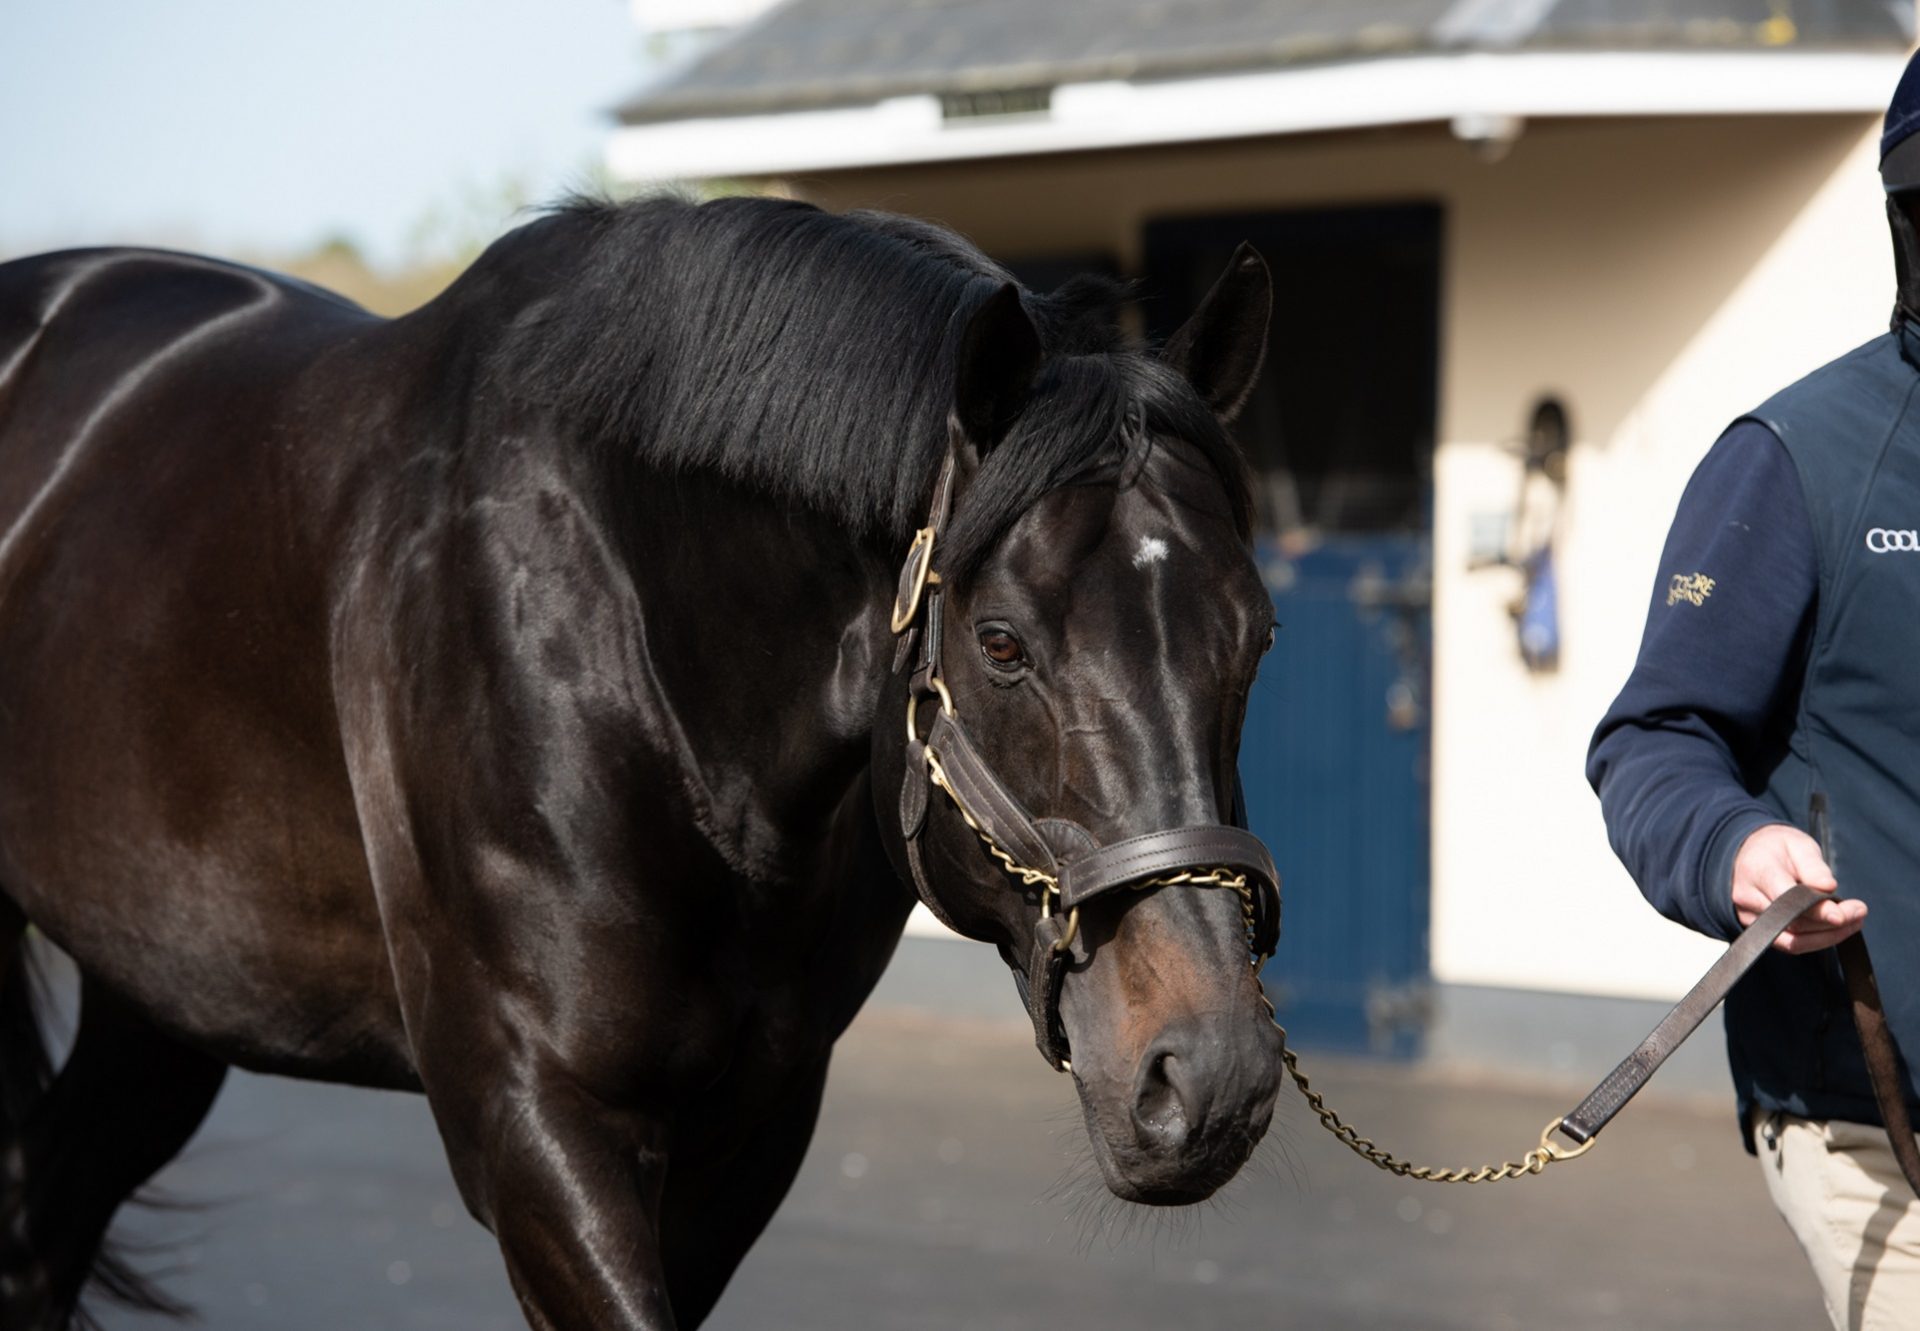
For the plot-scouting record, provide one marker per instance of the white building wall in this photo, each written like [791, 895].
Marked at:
[1526, 891]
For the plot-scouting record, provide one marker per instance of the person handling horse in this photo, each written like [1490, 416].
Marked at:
[1770, 735]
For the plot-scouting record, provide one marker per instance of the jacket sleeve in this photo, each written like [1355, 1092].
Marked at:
[1681, 755]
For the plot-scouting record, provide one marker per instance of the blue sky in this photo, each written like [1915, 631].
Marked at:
[267, 125]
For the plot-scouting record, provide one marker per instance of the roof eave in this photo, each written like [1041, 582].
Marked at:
[689, 96]
[1345, 95]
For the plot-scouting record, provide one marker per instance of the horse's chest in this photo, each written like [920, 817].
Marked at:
[798, 982]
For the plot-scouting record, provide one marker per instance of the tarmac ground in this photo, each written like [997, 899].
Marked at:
[949, 1187]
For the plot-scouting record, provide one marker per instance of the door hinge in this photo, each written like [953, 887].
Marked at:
[1398, 1009]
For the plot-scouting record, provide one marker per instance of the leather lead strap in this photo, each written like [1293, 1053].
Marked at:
[1883, 1057]
[1625, 1081]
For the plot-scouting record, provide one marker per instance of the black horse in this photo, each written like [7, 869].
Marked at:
[502, 702]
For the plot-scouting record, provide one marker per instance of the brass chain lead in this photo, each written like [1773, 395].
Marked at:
[1534, 1162]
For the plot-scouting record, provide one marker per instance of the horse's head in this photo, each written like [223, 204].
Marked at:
[1086, 687]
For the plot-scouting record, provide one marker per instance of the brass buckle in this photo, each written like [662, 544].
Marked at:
[1554, 1151]
[913, 706]
[920, 560]
[1065, 941]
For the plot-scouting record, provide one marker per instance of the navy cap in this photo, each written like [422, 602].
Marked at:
[1900, 143]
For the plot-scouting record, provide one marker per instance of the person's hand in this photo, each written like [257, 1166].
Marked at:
[1773, 859]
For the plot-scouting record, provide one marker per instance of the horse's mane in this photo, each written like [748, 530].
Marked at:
[810, 356]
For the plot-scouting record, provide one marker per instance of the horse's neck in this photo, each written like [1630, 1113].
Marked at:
[766, 635]
[751, 635]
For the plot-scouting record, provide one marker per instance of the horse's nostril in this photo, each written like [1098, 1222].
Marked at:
[1161, 1107]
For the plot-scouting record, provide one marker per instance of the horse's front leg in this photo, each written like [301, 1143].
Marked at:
[569, 1183]
[572, 1187]
[552, 1079]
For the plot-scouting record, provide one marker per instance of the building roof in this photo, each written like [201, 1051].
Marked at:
[812, 54]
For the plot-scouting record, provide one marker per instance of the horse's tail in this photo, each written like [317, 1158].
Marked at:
[26, 1071]
[26, 1075]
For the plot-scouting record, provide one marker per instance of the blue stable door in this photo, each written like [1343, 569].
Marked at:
[1334, 759]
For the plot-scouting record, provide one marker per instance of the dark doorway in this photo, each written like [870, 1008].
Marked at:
[1341, 427]
[1340, 433]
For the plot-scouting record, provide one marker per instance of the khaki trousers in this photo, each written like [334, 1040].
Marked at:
[1843, 1196]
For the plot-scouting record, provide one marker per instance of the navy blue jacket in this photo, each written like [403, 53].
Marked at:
[1677, 759]
[1777, 672]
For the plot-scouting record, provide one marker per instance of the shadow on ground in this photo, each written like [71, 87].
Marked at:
[948, 1187]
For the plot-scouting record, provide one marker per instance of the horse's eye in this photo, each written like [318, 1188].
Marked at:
[1269, 647]
[1002, 648]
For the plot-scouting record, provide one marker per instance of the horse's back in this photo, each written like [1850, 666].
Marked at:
[170, 769]
[91, 339]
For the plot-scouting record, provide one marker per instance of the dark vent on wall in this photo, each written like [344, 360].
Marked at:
[996, 103]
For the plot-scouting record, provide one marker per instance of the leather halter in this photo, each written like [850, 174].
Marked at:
[1059, 857]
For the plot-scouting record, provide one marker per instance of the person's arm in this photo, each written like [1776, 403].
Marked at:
[1675, 759]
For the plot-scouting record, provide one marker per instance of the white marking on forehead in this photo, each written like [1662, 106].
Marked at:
[1152, 550]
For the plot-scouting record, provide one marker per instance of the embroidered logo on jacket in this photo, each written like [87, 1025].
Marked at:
[1885, 541]
[1693, 588]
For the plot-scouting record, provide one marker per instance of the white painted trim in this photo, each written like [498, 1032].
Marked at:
[1353, 95]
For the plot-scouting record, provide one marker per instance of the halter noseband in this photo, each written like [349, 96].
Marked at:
[1059, 857]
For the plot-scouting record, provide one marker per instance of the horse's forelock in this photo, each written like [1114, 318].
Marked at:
[1087, 415]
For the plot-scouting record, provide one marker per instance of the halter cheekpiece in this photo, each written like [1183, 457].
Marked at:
[1058, 857]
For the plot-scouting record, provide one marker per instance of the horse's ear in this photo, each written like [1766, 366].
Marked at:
[1219, 350]
[993, 373]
